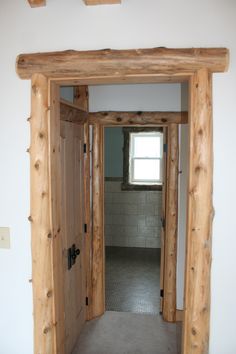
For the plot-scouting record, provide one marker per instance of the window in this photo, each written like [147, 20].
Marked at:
[143, 158]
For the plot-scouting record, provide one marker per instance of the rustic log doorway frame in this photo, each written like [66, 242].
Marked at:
[49, 70]
[169, 209]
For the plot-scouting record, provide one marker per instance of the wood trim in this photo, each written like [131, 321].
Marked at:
[71, 113]
[138, 118]
[179, 314]
[55, 217]
[102, 2]
[163, 217]
[124, 79]
[88, 222]
[41, 228]
[122, 63]
[200, 216]
[98, 252]
[81, 98]
[169, 300]
[37, 3]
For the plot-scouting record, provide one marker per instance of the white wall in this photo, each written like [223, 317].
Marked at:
[67, 93]
[145, 97]
[68, 24]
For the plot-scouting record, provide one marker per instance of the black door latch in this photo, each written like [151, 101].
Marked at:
[72, 254]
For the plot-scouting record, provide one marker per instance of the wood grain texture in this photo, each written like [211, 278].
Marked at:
[134, 79]
[69, 112]
[163, 217]
[37, 3]
[81, 97]
[179, 315]
[169, 301]
[122, 63]
[98, 252]
[88, 222]
[138, 118]
[102, 2]
[55, 216]
[72, 225]
[41, 231]
[200, 215]
[81, 100]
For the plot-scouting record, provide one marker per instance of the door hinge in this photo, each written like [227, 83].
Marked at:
[162, 293]
[163, 223]
[85, 228]
[85, 148]
[165, 146]
[86, 300]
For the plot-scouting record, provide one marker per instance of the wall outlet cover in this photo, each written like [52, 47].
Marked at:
[5, 237]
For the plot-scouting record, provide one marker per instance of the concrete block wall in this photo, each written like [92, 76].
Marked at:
[132, 218]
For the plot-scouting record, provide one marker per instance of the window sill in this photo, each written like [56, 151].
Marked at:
[139, 187]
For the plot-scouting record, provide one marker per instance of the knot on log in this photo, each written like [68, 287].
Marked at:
[34, 89]
[46, 330]
[37, 165]
[49, 293]
[200, 131]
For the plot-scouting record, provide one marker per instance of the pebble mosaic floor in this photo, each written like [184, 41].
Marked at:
[132, 279]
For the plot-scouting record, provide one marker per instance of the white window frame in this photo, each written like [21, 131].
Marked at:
[132, 158]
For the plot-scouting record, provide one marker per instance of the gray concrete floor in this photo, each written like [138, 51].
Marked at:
[127, 333]
[132, 279]
[134, 325]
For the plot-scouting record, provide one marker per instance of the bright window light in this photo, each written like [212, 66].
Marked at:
[145, 159]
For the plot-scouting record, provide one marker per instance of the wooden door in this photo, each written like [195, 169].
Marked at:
[73, 229]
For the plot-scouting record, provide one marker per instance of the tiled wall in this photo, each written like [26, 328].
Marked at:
[132, 218]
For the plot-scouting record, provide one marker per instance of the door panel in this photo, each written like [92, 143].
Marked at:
[72, 229]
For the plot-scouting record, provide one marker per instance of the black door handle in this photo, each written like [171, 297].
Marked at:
[72, 254]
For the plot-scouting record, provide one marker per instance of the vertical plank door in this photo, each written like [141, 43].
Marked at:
[72, 217]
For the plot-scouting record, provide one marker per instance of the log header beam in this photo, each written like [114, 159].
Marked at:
[102, 2]
[138, 118]
[37, 3]
[124, 64]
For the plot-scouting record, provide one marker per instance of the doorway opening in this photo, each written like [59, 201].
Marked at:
[49, 70]
[132, 223]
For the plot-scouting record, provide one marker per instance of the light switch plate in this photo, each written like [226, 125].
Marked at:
[4, 237]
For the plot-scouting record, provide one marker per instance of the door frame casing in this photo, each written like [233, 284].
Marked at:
[169, 229]
[165, 65]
